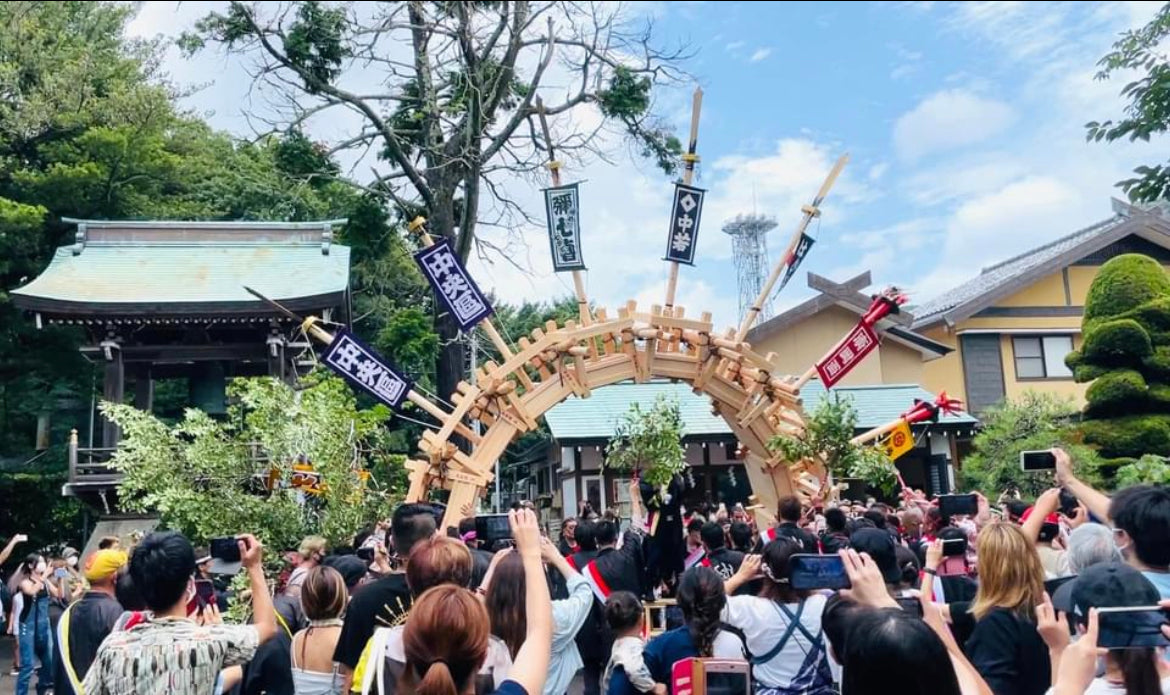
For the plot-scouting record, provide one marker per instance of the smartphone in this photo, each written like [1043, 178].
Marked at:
[366, 554]
[226, 549]
[1068, 503]
[204, 592]
[711, 676]
[911, 605]
[491, 528]
[952, 505]
[1033, 461]
[1131, 628]
[60, 573]
[808, 572]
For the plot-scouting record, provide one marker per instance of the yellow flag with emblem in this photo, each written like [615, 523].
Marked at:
[899, 441]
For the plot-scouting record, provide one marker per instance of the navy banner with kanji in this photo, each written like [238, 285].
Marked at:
[683, 237]
[453, 285]
[366, 369]
[564, 227]
[802, 249]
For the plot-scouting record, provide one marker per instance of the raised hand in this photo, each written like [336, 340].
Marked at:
[250, 550]
[1052, 626]
[868, 587]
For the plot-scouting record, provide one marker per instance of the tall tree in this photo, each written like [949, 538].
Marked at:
[1148, 111]
[445, 94]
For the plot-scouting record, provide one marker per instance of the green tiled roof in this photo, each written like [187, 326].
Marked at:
[595, 417]
[185, 264]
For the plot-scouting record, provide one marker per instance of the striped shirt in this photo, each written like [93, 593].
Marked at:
[169, 655]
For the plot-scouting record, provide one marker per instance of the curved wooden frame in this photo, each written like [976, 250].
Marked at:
[572, 360]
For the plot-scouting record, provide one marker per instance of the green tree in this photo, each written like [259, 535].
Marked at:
[206, 477]
[1125, 359]
[1147, 112]
[828, 437]
[456, 114]
[1147, 470]
[1033, 422]
[648, 443]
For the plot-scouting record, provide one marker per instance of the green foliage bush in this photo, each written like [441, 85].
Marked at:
[1129, 436]
[1157, 366]
[649, 443]
[1032, 422]
[1147, 470]
[1123, 284]
[1117, 392]
[1121, 342]
[205, 477]
[828, 436]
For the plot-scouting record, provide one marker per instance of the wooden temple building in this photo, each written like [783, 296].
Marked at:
[166, 300]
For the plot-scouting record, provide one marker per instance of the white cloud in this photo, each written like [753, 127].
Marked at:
[903, 71]
[877, 171]
[760, 54]
[947, 120]
[734, 46]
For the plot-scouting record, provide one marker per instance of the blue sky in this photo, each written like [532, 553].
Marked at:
[964, 122]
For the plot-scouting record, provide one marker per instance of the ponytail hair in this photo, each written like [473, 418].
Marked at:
[701, 598]
[1140, 670]
[445, 641]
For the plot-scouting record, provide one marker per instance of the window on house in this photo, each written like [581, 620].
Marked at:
[1042, 356]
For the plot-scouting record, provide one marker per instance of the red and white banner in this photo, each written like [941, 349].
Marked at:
[833, 367]
[600, 589]
[696, 558]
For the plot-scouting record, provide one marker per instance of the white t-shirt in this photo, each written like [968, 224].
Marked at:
[1100, 686]
[763, 624]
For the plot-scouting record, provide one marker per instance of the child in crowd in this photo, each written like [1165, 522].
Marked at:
[623, 612]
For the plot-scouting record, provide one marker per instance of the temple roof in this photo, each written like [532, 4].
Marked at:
[134, 269]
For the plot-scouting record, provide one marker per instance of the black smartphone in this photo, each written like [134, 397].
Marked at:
[1068, 503]
[1033, 461]
[226, 549]
[911, 605]
[952, 505]
[1131, 628]
[366, 554]
[492, 528]
[204, 592]
[808, 572]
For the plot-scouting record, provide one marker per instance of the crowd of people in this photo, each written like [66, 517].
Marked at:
[1005, 601]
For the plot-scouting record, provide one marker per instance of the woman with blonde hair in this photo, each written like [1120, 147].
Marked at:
[323, 599]
[1005, 647]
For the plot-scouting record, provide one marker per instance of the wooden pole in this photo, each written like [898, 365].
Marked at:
[554, 168]
[810, 211]
[877, 432]
[688, 175]
[326, 338]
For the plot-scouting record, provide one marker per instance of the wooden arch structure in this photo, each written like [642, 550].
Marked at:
[637, 343]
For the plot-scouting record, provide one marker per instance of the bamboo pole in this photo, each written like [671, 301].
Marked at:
[810, 211]
[688, 175]
[325, 337]
[554, 168]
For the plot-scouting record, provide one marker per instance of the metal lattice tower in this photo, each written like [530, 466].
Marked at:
[749, 238]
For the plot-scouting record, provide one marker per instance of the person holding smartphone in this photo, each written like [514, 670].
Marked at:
[782, 625]
[1128, 671]
[36, 639]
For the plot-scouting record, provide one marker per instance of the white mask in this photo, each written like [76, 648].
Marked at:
[71, 561]
[40, 568]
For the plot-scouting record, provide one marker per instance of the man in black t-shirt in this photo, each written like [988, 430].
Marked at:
[270, 671]
[385, 602]
[725, 562]
[790, 513]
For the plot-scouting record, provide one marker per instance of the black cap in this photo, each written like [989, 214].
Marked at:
[1111, 585]
[351, 567]
[880, 546]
